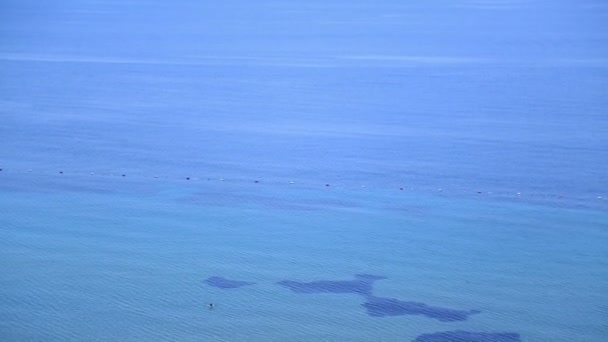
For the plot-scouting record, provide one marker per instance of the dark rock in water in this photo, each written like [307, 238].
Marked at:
[224, 283]
[362, 285]
[382, 307]
[468, 336]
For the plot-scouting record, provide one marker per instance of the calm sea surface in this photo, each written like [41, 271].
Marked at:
[269, 157]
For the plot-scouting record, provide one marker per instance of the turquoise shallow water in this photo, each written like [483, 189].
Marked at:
[130, 264]
[464, 145]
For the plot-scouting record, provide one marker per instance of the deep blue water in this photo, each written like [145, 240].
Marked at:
[318, 170]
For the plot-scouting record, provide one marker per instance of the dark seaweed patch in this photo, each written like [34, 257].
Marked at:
[224, 283]
[363, 285]
[468, 336]
[382, 307]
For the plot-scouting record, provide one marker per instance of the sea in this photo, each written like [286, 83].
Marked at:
[304, 170]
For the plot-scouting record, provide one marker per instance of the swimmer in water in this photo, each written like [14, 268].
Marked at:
[210, 305]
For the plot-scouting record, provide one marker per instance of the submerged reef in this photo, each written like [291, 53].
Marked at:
[382, 307]
[468, 336]
[361, 285]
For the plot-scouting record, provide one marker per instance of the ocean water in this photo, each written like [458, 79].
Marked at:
[318, 170]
